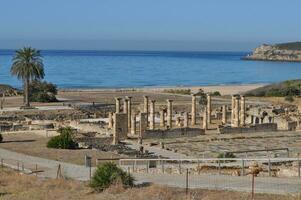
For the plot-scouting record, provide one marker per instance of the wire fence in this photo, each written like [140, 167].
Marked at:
[275, 175]
[27, 168]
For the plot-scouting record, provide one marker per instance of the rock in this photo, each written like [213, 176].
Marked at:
[275, 53]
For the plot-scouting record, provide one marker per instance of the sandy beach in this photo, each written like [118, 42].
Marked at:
[223, 89]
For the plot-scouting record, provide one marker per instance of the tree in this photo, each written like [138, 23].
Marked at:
[27, 66]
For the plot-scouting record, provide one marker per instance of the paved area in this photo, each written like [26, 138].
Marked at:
[220, 182]
[50, 167]
[262, 184]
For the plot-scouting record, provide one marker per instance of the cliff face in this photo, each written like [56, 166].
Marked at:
[275, 53]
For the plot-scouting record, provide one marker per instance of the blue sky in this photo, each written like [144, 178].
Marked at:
[148, 24]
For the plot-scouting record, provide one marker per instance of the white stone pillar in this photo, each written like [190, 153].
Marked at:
[133, 124]
[209, 108]
[224, 114]
[145, 106]
[242, 110]
[236, 110]
[186, 119]
[110, 120]
[162, 119]
[117, 104]
[169, 113]
[152, 115]
[232, 110]
[205, 120]
[125, 106]
[129, 108]
[193, 110]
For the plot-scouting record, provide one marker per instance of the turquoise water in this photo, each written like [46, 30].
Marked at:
[93, 69]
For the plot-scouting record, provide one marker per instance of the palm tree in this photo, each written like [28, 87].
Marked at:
[27, 66]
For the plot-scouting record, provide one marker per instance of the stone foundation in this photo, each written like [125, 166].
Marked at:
[174, 133]
[251, 129]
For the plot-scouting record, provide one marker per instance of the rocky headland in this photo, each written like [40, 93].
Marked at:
[288, 52]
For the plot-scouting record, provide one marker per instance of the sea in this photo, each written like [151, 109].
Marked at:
[134, 69]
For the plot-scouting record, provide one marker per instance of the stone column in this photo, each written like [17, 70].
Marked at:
[145, 106]
[186, 119]
[232, 109]
[169, 113]
[242, 110]
[125, 105]
[205, 120]
[129, 107]
[117, 104]
[152, 115]
[209, 108]
[236, 112]
[224, 114]
[193, 110]
[162, 119]
[133, 124]
[110, 120]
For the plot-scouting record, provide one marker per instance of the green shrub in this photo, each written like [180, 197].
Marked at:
[1, 138]
[63, 141]
[107, 174]
[226, 155]
[178, 91]
[42, 91]
[216, 93]
[289, 98]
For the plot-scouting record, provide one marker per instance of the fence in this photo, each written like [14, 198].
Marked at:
[220, 174]
[21, 166]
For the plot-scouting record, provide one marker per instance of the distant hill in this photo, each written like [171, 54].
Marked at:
[282, 89]
[290, 52]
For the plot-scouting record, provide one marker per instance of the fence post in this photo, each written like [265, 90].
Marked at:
[199, 170]
[180, 170]
[269, 169]
[36, 169]
[253, 185]
[147, 166]
[2, 164]
[23, 166]
[18, 165]
[187, 174]
[299, 165]
[242, 167]
[135, 168]
[163, 166]
[219, 167]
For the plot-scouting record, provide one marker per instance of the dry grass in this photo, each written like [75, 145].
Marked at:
[35, 145]
[14, 186]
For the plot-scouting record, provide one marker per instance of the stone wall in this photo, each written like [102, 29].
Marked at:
[251, 129]
[120, 125]
[174, 133]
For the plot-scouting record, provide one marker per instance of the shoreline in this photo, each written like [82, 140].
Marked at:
[270, 60]
[223, 89]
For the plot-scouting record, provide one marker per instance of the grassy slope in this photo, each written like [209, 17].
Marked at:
[280, 86]
[289, 46]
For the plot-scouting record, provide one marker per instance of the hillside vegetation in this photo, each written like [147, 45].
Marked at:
[282, 89]
[290, 46]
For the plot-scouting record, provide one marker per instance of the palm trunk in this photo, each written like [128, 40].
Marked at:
[24, 98]
[26, 92]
